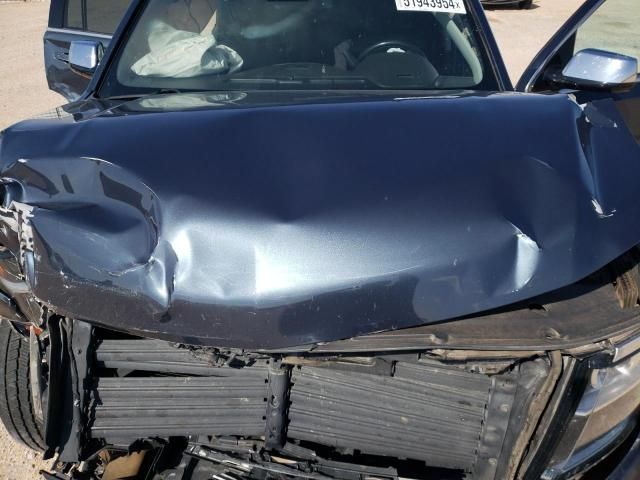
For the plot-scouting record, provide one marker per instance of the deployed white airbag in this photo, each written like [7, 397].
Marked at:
[181, 54]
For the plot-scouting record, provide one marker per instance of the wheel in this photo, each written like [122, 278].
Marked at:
[526, 4]
[16, 410]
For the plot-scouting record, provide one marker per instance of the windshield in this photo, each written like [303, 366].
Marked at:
[200, 45]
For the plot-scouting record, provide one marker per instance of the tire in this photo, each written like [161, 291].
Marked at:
[16, 410]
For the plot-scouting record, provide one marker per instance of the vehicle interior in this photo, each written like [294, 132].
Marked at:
[311, 44]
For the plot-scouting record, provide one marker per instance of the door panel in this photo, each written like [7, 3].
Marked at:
[56, 58]
[73, 20]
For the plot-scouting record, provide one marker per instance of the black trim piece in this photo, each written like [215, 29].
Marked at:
[496, 424]
[567, 398]
[536, 383]
[498, 66]
[277, 406]
[80, 354]
[554, 321]
[85, 23]
[64, 400]
[55, 413]
[117, 40]
[57, 11]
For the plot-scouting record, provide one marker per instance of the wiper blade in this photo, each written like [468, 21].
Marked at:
[292, 81]
[133, 96]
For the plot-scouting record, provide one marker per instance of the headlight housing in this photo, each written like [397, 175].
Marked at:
[605, 416]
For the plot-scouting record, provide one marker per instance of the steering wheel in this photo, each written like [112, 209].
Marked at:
[389, 44]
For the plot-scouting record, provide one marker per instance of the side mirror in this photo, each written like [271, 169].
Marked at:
[84, 57]
[599, 69]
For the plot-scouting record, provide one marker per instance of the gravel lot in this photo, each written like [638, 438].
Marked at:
[23, 92]
[23, 88]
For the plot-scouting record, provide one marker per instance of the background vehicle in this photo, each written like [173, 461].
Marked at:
[520, 3]
[252, 280]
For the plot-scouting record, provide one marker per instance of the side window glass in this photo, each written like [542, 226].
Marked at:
[104, 16]
[613, 27]
[96, 16]
[73, 15]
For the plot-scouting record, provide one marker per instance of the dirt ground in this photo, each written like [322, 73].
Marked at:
[23, 88]
[23, 92]
[522, 33]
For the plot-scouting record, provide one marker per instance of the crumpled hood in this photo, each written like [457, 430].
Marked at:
[274, 226]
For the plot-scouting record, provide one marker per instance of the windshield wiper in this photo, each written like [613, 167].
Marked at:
[133, 96]
[293, 81]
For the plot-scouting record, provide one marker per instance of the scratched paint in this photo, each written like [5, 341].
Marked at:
[248, 222]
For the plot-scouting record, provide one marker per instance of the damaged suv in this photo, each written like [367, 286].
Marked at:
[325, 239]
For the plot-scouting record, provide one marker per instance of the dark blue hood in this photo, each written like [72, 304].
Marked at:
[225, 222]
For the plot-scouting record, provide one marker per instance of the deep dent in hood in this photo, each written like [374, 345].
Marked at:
[276, 226]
